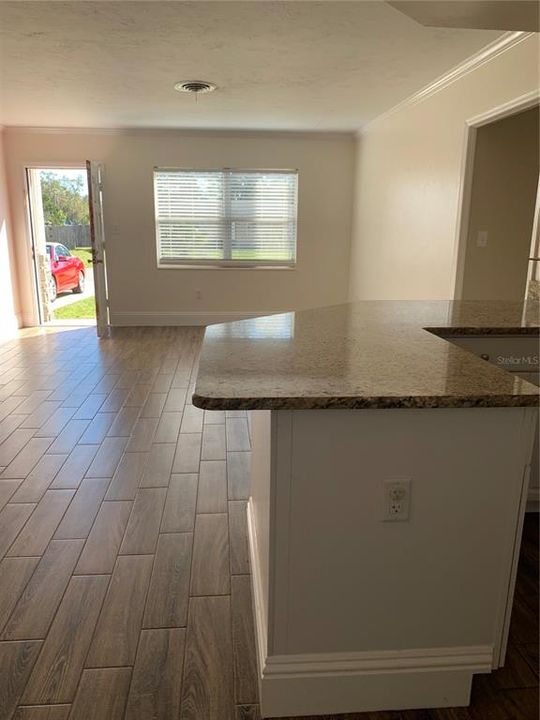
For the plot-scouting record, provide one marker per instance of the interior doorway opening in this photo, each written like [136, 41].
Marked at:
[61, 245]
[497, 247]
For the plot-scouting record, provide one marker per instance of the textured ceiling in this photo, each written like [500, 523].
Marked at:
[278, 65]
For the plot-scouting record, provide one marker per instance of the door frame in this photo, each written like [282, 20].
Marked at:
[94, 179]
[513, 107]
[33, 314]
[30, 250]
[535, 241]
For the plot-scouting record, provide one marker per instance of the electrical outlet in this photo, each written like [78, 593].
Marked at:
[397, 499]
[198, 294]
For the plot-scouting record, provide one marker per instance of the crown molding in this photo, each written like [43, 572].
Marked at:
[519, 104]
[183, 132]
[486, 55]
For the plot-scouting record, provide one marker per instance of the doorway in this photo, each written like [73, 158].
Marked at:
[497, 252]
[67, 244]
[61, 246]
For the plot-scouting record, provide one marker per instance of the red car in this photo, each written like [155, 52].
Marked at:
[67, 271]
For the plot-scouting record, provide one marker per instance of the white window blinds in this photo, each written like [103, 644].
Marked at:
[226, 217]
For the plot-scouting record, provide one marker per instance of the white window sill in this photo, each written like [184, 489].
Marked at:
[168, 266]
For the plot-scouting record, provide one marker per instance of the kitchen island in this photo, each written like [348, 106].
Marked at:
[384, 534]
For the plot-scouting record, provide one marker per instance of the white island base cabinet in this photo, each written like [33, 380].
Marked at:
[357, 613]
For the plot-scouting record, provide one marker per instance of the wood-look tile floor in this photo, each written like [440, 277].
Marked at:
[124, 577]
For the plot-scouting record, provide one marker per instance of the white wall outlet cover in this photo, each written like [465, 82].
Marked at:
[397, 499]
[482, 238]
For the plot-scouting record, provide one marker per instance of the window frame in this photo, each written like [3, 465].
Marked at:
[201, 264]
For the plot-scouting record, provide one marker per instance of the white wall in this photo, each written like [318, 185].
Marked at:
[9, 300]
[142, 294]
[503, 197]
[409, 167]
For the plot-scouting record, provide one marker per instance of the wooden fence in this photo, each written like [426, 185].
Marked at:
[72, 236]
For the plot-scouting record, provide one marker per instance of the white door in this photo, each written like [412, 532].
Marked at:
[97, 238]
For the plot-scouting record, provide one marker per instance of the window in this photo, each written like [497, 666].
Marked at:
[226, 217]
[62, 251]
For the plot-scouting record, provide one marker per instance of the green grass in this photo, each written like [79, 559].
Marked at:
[85, 254]
[80, 310]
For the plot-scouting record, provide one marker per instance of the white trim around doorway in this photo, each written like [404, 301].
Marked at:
[31, 315]
[513, 107]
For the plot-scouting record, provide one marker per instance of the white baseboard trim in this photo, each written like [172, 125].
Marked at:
[325, 683]
[330, 683]
[370, 681]
[173, 317]
[367, 692]
[476, 659]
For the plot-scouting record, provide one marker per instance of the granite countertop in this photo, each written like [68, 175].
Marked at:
[372, 354]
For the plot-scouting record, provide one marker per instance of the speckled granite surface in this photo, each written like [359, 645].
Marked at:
[362, 355]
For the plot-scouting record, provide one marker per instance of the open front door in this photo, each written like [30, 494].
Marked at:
[97, 239]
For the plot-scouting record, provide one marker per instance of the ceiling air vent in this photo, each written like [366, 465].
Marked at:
[195, 86]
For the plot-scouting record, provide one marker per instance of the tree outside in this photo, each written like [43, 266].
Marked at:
[65, 198]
